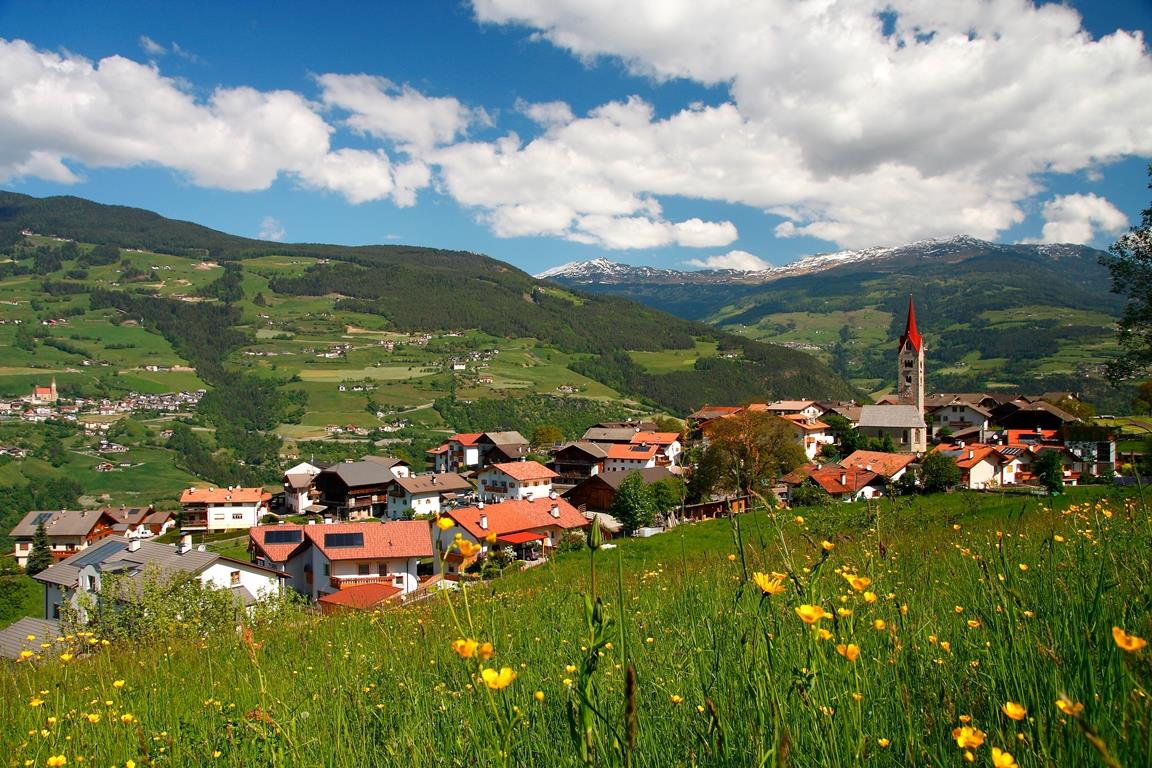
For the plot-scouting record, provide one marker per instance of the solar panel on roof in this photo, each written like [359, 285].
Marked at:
[43, 517]
[343, 539]
[98, 553]
[283, 537]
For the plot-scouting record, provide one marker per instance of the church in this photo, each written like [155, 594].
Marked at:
[902, 417]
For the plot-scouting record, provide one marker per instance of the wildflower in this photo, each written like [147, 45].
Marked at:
[810, 614]
[570, 668]
[127, 718]
[498, 680]
[1014, 710]
[799, 520]
[117, 683]
[465, 648]
[490, 539]
[1068, 707]
[445, 523]
[827, 546]
[1002, 759]
[467, 548]
[731, 558]
[870, 597]
[1127, 642]
[676, 698]
[968, 737]
[879, 625]
[851, 651]
[539, 696]
[946, 645]
[973, 623]
[26, 654]
[1023, 567]
[767, 584]
[57, 760]
[93, 718]
[883, 743]
[823, 634]
[859, 583]
[64, 659]
[486, 651]
[1058, 538]
[35, 702]
[844, 611]
[567, 682]
[130, 764]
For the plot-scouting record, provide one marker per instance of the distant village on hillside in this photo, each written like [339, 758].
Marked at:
[375, 532]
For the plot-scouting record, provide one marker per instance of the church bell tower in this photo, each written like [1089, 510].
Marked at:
[910, 361]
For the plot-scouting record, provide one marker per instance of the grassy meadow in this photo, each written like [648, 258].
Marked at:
[955, 629]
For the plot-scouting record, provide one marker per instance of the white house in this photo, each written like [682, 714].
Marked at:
[298, 488]
[634, 456]
[461, 451]
[959, 418]
[809, 409]
[667, 444]
[80, 578]
[515, 480]
[333, 556]
[222, 509]
[422, 494]
[811, 434]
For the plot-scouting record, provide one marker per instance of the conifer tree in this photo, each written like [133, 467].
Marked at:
[41, 555]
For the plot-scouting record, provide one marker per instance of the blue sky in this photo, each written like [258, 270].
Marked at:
[666, 132]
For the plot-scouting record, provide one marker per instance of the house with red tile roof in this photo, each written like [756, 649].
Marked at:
[632, 456]
[362, 597]
[515, 480]
[324, 558]
[842, 483]
[526, 526]
[810, 433]
[668, 447]
[891, 466]
[461, 451]
[980, 465]
[222, 509]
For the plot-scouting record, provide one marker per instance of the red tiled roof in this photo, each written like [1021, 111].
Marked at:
[222, 495]
[802, 421]
[443, 448]
[655, 438]
[394, 539]
[518, 515]
[713, 411]
[970, 455]
[886, 464]
[362, 596]
[521, 537]
[836, 479]
[277, 553]
[634, 452]
[466, 438]
[525, 470]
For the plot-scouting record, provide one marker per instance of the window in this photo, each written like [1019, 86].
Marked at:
[218, 516]
[398, 581]
[327, 569]
[24, 546]
[91, 583]
[235, 577]
[237, 515]
[55, 610]
[362, 569]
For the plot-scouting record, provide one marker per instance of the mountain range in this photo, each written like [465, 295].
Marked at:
[996, 315]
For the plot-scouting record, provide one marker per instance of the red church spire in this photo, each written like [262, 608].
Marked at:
[911, 335]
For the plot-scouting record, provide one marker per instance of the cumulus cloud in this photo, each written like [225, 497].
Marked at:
[1080, 218]
[378, 107]
[857, 121]
[732, 260]
[271, 229]
[57, 109]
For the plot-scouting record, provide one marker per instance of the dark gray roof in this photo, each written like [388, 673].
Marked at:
[506, 438]
[618, 476]
[113, 555]
[892, 416]
[610, 434]
[387, 461]
[362, 473]
[592, 449]
[445, 482]
[14, 638]
[62, 522]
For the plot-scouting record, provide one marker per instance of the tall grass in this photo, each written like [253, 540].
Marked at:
[666, 652]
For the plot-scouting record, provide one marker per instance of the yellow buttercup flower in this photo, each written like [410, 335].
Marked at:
[93, 718]
[870, 597]
[467, 548]
[731, 558]
[851, 651]
[35, 702]
[486, 651]
[968, 737]
[465, 648]
[879, 625]
[859, 583]
[1002, 759]
[676, 698]
[799, 520]
[117, 683]
[767, 584]
[827, 546]
[127, 718]
[539, 696]
[1068, 707]
[1127, 642]
[810, 614]
[498, 680]
[490, 539]
[445, 523]
[1014, 710]
[823, 634]
[57, 760]
[883, 743]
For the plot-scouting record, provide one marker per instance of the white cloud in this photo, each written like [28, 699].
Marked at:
[852, 135]
[1080, 218]
[546, 113]
[271, 229]
[151, 47]
[731, 260]
[60, 108]
[380, 108]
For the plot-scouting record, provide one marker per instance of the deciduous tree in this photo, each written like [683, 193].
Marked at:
[749, 449]
[633, 505]
[938, 472]
[1130, 262]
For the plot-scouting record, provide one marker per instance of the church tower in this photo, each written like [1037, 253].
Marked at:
[910, 361]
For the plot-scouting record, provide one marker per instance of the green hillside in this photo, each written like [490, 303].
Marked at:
[943, 613]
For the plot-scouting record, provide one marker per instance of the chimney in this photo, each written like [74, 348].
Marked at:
[133, 545]
[484, 520]
[843, 478]
[185, 544]
[556, 511]
[971, 454]
[433, 479]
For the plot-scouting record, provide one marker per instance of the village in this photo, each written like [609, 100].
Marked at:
[360, 535]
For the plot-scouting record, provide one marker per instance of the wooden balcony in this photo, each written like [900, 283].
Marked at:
[340, 582]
